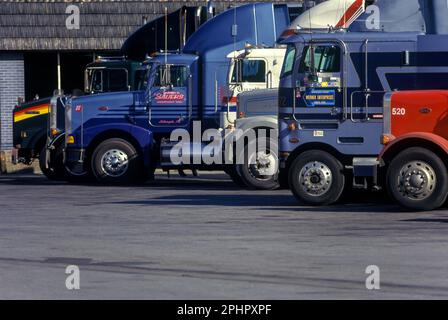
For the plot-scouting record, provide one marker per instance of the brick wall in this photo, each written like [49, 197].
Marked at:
[12, 80]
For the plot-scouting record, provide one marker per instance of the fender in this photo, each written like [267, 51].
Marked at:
[59, 138]
[36, 138]
[143, 136]
[246, 124]
[430, 137]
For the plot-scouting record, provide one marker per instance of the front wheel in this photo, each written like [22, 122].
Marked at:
[235, 176]
[259, 168]
[55, 169]
[317, 178]
[116, 161]
[417, 179]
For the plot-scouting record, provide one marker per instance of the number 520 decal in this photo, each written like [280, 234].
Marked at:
[398, 111]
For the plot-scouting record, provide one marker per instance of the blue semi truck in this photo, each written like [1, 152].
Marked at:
[122, 137]
[111, 74]
[332, 89]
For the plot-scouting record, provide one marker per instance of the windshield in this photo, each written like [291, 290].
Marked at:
[171, 75]
[141, 79]
[106, 80]
[288, 64]
[249, 71]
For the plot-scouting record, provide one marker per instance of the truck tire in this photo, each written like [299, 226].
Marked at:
[317, 178]
[260, 169]
[417, 179]
[56, 170]
[235, 176]
[283, 179]
[116, 161]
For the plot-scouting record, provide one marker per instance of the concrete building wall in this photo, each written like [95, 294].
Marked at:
[12, 86]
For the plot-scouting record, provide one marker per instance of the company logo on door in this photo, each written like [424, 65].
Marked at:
[169, 97]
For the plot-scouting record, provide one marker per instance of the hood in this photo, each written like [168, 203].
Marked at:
[109, 100]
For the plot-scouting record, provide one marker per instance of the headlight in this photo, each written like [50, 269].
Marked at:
[53, 112]
[70, 139]
[68, 116]
[54, 132]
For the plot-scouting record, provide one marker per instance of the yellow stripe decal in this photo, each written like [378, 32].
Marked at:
[31, 112]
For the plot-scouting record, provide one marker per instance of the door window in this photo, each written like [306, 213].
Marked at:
[170, 75]
[97, 81]
[141, 79]
[321, 59]
[288, 64]
[249, 71]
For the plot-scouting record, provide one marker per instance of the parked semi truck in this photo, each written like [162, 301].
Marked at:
[331, 93]
[37, 137]
[258, 109]
[254, 97]
[119, 136]
[413, 164]
[32, 126]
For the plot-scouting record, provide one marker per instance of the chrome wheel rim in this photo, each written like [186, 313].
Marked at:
[417, 180]
[263, 165]
[315, 178]
[114, 163]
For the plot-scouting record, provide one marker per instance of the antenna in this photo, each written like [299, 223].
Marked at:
[311, 48]
[166, 35]
[345, 16]
[336, 13]
[309, 17]
[183, 21]
[234, 34]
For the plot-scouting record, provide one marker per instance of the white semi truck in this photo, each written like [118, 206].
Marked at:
[253, 81]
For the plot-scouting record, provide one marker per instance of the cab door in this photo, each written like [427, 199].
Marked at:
[322, 95]
[246, 75]
[170, 96]
[327, 109]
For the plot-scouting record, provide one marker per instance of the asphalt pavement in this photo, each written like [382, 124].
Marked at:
[205, 238]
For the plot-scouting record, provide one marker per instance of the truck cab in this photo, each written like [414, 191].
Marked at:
[331, 103]
[106, 74]
[253, 87]
[330, 107]
[37, 121]
[413, 164]
[111, 74]
[332, 89]
[251, 69]
[137, 123]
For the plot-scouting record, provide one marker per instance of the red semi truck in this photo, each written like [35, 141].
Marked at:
[414, 162]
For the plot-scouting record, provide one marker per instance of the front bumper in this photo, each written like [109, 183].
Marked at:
[74, 161]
